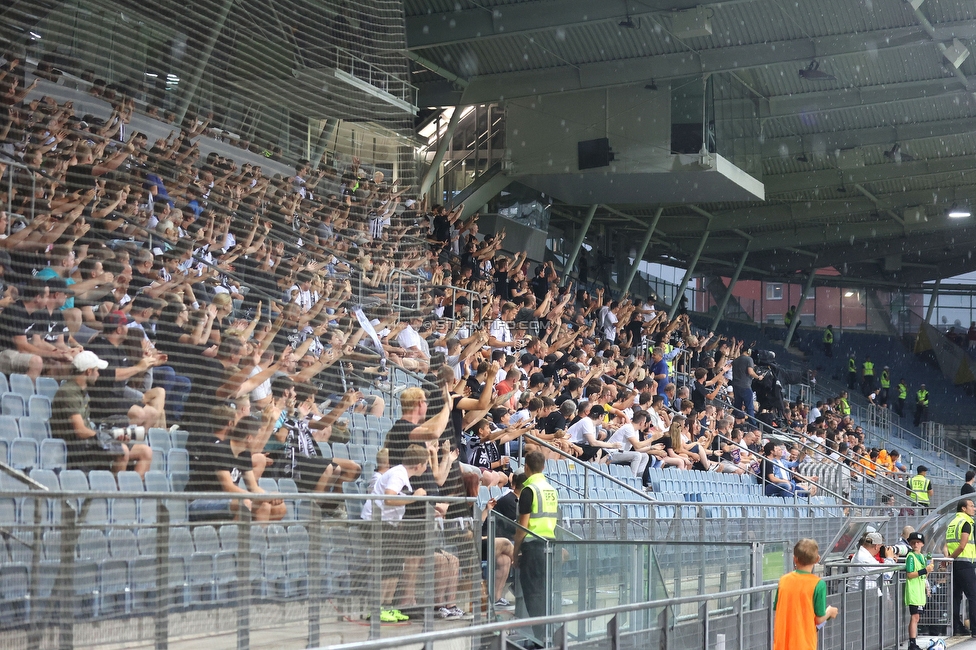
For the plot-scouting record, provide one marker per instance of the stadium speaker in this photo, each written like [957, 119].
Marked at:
[594, 153]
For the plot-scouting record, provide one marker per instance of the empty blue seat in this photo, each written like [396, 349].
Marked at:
[47, 387]
[22, 385]
[100, 508]
[23, 454]
[296, 562]
[159, 439]
[13, 404]
[54, 454]
[9, 428]
[39, 407]
[35, 428]
[179, 437]
[178, 460]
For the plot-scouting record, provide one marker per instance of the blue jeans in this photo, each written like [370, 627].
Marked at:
[177, 389]
[744, 400]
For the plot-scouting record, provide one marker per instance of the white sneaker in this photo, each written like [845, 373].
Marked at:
[455, 612]
[444, 612]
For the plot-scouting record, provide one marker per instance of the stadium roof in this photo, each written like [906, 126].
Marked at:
[859, 169]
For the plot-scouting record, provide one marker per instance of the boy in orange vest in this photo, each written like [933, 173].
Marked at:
[801, 602]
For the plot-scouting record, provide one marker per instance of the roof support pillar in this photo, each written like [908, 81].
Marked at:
[687, 278]
[932, 300]
[728, 294]
[799, 308]
[578, 244]
[321, 144]
[431, 175]
[640, 252]
[202, 59]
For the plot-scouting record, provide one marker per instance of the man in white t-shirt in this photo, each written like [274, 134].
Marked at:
[411, 340]
[394, 482]
[632, 450]
[500, 332]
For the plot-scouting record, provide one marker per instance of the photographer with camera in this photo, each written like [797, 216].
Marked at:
[871, 551]
[88, 448]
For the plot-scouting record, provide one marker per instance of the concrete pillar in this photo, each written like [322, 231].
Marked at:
[625, 287]
[728, 294]
[578, 244]
[321, 143]
[202, 58]
[799, 308]
[932, 301]
[684, 281]
[431, 175]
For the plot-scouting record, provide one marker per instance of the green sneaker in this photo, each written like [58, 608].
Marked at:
[400, 616]
[388, 616]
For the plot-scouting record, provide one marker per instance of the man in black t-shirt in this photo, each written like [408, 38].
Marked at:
[17, 353]
[111, 396]
[413, 427]
[230, 460]
[81, 177]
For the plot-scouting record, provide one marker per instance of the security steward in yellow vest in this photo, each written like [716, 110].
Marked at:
[960, 546]
[867, 375]
[851, 373]
[885, 387]
[828, 341]
[921, 405]
[843, 406]
[920, 488]
[537, 510]
[902, 396]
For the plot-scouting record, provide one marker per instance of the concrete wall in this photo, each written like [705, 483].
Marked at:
[542, 132]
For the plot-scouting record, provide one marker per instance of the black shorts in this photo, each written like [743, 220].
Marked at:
[308, 471]
[915, 609]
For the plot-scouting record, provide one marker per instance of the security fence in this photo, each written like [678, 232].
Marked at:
[83, 569]
[742, 619]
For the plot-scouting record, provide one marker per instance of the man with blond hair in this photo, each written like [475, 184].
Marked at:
[414, 427]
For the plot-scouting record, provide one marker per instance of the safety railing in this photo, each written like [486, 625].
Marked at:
[896, 434]
[741, 619]
[166, 566]
[13, 167]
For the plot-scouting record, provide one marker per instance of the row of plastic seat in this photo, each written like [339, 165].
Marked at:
[115, 573]
[12, 427]
[37, 406]
[25, 387]
[26, 454]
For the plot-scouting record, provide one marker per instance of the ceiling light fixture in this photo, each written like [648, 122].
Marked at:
[629, 23]
[813, 73]
[650, 86]
[848, 294]
[958, 211]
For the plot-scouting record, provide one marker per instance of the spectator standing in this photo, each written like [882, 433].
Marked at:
[395, 482]
[851, 372]
[871, 548]
[743, 372]
[885, 386]
[968, 487]
[801, 602]
[916, 567]
[921, 405]
[538, 511]
[959, 545]
[828, 342]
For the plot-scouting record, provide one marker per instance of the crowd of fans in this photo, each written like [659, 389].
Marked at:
[252, 310]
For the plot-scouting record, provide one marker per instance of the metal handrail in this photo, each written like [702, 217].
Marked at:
[429, 639]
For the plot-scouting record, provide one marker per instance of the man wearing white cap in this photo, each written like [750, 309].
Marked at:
[871, 548]
[71, 421]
